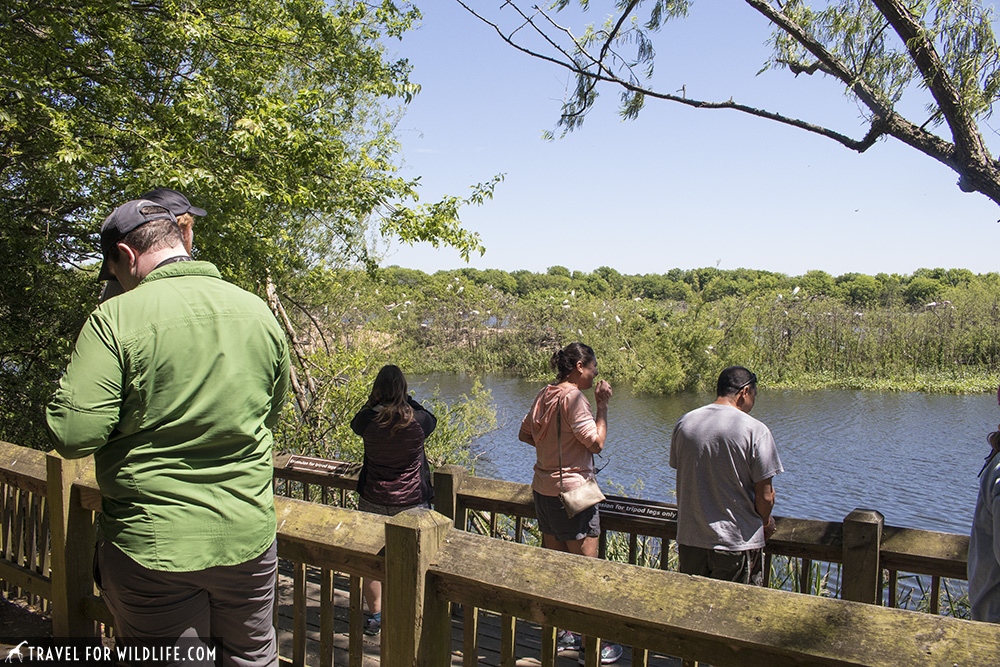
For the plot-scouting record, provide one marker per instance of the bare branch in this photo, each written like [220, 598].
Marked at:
[312, 318]
[510, 39]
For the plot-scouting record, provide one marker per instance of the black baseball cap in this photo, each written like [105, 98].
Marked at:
[173, 200]
[124, 219]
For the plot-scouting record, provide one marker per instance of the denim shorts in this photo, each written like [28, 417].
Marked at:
[553, 520]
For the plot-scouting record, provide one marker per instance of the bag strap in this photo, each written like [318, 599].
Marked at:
[559, 441]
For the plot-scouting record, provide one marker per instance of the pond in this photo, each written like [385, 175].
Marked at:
[913, 457]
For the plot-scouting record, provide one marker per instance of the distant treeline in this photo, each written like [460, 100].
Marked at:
[936, 330]
[712, 284]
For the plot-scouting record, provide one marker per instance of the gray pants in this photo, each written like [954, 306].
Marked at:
[743, 567]
[224, 611]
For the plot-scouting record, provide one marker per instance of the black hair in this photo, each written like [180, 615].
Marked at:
[734, 378]
[564, 361]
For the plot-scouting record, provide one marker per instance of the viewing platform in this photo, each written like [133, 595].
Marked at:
[463, 584]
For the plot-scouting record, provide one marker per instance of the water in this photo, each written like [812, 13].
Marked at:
[913, 457]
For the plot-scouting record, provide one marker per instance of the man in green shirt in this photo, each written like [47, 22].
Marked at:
[174, 387]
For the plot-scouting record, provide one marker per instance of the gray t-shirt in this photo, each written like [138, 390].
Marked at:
[720, 452]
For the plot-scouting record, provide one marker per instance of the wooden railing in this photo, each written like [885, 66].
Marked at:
[867, 574]
[429, 560]
[24, 534]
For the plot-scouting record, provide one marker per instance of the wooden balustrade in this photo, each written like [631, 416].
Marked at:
[869, 549]
[428, 560]
[691, 617]
[24, 533]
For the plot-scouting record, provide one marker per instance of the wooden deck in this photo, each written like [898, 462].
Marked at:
[528, 642]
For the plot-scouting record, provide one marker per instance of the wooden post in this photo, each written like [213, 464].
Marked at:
[549, 651]
[356, 625]
[416, 625]
[72, 549]
[448, 481]
[327, 593]
[862, 575]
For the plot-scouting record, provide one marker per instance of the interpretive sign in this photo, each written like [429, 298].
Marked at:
[327, 466]
[636, 507]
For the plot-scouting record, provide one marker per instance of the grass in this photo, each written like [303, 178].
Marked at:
[967, 382]
[915, 594]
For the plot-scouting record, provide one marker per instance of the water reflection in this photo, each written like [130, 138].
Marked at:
[913, 457]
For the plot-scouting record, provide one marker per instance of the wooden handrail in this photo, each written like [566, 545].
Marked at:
[331, 537]
[427, 563]
[906, 549]
[22, 468]
[925, 552]
[693, 617]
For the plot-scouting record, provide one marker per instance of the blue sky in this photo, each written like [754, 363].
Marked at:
[678, 187]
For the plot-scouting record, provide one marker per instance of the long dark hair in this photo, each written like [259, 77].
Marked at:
[564, 361]
[389, 390]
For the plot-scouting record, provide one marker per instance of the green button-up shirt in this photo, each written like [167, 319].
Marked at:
[174, 387]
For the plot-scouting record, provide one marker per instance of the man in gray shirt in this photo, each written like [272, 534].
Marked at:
[725, 460]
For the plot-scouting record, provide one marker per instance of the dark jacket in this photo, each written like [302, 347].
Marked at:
[395, 469]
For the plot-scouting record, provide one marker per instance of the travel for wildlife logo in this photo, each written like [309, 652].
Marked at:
[87, 652]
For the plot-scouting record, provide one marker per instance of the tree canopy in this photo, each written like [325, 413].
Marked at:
[276, 116]
[877, 49]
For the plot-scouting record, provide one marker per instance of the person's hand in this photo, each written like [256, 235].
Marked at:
[769, 528]
[602, 391]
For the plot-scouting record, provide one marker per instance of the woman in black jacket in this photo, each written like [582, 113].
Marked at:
[395, 475]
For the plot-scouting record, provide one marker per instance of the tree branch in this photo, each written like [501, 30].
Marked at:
[312, 318]
[798, 68]
[972, 157]
[610, 77]
[884, 115]
[967, 156]
[618, 26]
